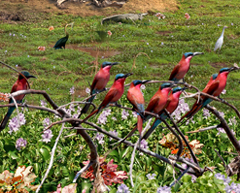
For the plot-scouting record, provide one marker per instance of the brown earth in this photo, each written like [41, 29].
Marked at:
[10, 8]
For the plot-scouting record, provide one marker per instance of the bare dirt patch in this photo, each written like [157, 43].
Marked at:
[82, 9]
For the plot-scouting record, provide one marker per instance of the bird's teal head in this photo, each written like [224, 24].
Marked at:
[136, 82]
[166, 85]
[104, 64]
[177, 89]
[188, 54]
[225, 70]
[26, 74]
[214, 76]
[119, 76]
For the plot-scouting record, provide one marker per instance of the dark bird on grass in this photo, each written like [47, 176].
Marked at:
[180, 70]
[135, 97]
[99, 83]
[113, 95]
[61, 42]
[20, 84]
[173, 101]
[215, 86]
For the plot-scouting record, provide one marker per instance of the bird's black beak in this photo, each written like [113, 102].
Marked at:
[114, 63]
[128, 74]
[31, 76]
[184, 88]
[145, 81]
[231, 69]
[197, 53]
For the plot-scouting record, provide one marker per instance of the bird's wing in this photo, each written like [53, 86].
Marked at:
[14, 88]
[174, 72]
[61, 42]
[134, 100]
[213, 87]
[108, 98]
[93, 84]
[153, 102]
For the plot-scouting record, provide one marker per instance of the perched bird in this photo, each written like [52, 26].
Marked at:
[113, 95]
[172, 105]
[180, 70]
[214, 87]
[99, 83]
[20, 84]
[61, 42]
[156, 105]
[219, 42]
[135, 97]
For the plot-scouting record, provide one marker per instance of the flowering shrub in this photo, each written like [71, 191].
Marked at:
[109, 172]
[19, 181]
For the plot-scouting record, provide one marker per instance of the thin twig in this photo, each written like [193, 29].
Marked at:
[85, 168]
[204, 129]
[51, 159]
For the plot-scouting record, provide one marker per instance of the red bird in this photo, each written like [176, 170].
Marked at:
[180, 70]
[20, 84]
[135, 97]
[99, 83]
[156, 105]
[173, 101]
[113, 95]
[214, 87]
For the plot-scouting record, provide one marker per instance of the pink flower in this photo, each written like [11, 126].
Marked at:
[41, 48]
[84, 190]
[109, 33]
[51, 28]
[187, 16]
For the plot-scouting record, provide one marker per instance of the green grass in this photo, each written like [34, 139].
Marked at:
[178, 35]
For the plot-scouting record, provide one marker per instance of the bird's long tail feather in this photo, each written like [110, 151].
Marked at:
[196, 107]
[6, 118]
[86, 106]
[154, 125]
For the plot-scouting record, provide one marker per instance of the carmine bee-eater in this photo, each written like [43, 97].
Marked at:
[99, 83]
[135, 97]
[20, 84]
[156, 105]
[214, 87]
[180, 70]
[113, 95]
[172, 105]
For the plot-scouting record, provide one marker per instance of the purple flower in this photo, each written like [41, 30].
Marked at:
[134, 114]
[72, 90]
[231, 23]
[164, 189]
[221, 114]
[71, 108]
[88, 90]
[206, 113]
[114, 118]
[16, 122]
[220, 130]
[113, 133]
[224, 91]
[162, 43]
[100, 137]
[125, 114]
[151, 176]
[102, 119]
[43, 103]
[46, 122]
[20, 143]
[143, 87]
[143, 145]
[47, 136]
[123, 189]
[222, 177]
[232, 121]
[185, 166]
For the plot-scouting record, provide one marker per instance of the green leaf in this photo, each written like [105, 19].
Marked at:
[45, 153]
[12, 155]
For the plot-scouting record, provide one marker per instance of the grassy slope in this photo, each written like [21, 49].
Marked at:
[59, 70]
